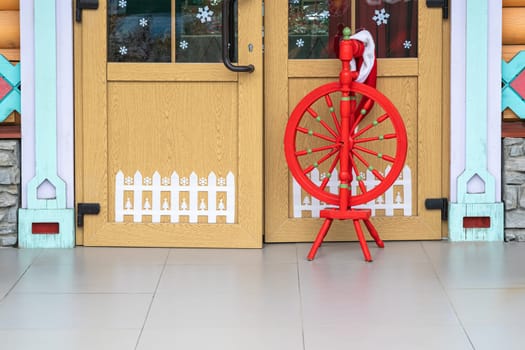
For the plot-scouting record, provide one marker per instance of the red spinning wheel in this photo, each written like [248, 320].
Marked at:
[345, 144]
[377, 142]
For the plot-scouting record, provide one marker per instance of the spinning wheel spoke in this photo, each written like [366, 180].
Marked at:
[368, 166]
[371, 125]
[362, 110]
[315, 150]
[374, 153]
[376, 138]
[331, 108]
[320, 161]
[328, 174]
[358, 176]
[315, 134]
[323, 123]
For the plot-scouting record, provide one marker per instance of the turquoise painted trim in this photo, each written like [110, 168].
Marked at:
[12, 101]
[476, 204]
[65, 219]
[46, 108]
[509, 97]
[46, 210]
[456, 231]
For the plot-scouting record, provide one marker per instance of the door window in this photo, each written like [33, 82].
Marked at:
[315, 26]
[165, 31]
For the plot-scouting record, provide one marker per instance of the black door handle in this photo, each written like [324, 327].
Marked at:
[228, 39]
[85, 5]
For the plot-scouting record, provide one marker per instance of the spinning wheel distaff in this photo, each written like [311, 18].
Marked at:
[365, 132]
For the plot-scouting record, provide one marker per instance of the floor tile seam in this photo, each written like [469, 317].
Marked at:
[454, 289]
[9, 291]
[299, 291]
[232, 264]
[69, 329]
[152, 299]
[82, 293]
[97, 264]
[449, 299]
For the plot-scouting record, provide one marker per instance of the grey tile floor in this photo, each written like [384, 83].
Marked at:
[415, 295]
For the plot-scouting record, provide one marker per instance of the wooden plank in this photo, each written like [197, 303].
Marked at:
[509, 51]
[10, 132]
[510, 116]
[513, 3]
[169, 72]
[12, 55]
[513, 129]
[331, 68]
[10, 33]
[9, 5]
[513, 26]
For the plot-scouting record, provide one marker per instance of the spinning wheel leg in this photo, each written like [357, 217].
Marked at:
[319, 239]
[362, 240]
[373, 232]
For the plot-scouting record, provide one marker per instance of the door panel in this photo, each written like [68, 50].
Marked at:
[409, 74]
[166, 132]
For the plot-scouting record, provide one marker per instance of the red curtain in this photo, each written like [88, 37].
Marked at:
[392, 23]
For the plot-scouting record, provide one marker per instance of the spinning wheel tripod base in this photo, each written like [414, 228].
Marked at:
[350, 214]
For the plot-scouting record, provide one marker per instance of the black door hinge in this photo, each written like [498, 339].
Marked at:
[439, 3]
[84, 5]
[86, 208]
[438, 203]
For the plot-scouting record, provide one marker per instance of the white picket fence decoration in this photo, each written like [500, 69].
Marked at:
[175, 207]
[387, 202]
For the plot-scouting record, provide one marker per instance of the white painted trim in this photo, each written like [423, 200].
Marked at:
[65, 95]
[458, 100]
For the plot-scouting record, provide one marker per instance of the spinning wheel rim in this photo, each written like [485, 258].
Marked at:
[300, 112]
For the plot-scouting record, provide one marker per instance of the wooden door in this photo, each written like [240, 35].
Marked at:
[299, 56]
[168, 141]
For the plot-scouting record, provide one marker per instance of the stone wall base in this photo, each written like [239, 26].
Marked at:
[9, 191]
[514, 188]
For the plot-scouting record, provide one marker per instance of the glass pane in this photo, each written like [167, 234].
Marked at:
[139, 31]
[198, 30]
[315, 26]
[393, 24]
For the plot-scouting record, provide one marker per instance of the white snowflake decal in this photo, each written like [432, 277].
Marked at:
[205, 14]
[299, 42]
[183, 44]
[203, 181]
[122, 3]
[407, 44]
[324, 14]
[123, 50]
[184, 181]
[165, 181]
[221, 181]
[215, 2]
[381, 16]
[143, 22]
[147, 181]
[295, 1]
[128, 180]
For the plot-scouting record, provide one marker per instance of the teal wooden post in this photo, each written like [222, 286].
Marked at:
[43, 216]
[476, 206]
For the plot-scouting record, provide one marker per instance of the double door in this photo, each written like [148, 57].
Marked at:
[180, 151]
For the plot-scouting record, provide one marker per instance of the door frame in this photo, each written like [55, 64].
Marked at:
[90, 92]
[279, 69]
